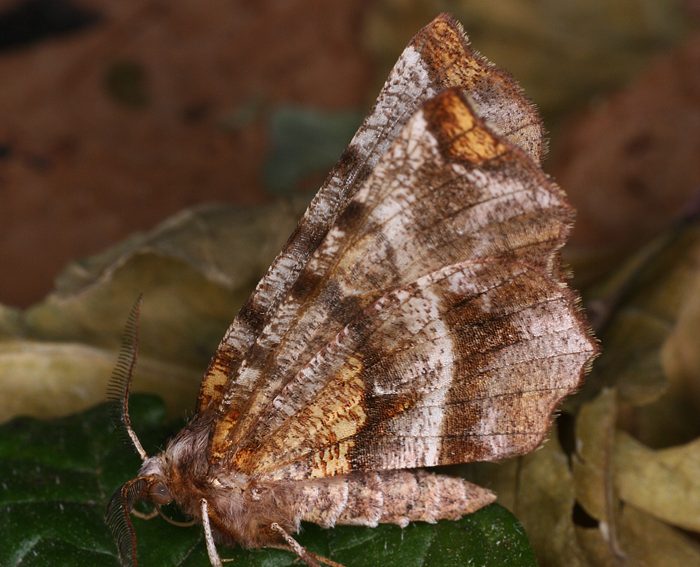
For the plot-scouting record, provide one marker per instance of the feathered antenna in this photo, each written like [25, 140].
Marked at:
[120, 382]
[119, 522]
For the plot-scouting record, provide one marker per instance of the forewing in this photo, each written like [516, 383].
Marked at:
[435, 296]
[467, 363]
[438, 57]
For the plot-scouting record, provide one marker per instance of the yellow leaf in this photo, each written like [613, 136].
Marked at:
[664, 483]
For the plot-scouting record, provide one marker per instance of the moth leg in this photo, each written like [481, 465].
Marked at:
[145, 515]
[177, 523]
[324, 560]
[311, 559]
[214, 558]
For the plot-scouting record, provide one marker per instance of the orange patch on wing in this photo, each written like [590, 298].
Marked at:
[446, 46]
[212, 386]
[332, 461]
[336, 413]
[460, 134]
[220, 440]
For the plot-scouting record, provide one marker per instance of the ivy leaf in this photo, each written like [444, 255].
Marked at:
[58, 475]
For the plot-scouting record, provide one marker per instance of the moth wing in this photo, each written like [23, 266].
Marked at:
[438, 57]
[430, 326]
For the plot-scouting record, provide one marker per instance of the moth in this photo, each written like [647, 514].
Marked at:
[417, 316]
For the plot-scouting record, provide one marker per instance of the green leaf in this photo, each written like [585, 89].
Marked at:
[305, 141]
[58, 475]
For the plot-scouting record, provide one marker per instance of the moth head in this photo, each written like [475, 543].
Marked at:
[159, 493]
[152, 488]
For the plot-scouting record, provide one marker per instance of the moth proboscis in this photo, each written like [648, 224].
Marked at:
[417, 317]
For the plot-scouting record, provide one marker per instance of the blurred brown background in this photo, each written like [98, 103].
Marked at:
[115, 115]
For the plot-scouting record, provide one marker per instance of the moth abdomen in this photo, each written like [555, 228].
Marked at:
[389, 497]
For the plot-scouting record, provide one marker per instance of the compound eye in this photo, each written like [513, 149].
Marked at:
[159, 493]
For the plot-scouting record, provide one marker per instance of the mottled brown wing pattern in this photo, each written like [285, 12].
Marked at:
[438, 57]
[462, 365]
[382, 355]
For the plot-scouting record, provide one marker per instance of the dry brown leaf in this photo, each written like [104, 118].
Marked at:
[640, 305]
[545, 504]
[645, 541]
[553, 48]
[630, 164]
[10, 322]
[651, 317]
[664, 483]
[621, 484]
[46, 379]
[680, 354]
[593, 465]
[634, 343]
[194, 270]
[539, 490]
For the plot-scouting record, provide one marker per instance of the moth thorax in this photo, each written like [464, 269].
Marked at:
[152, 466]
